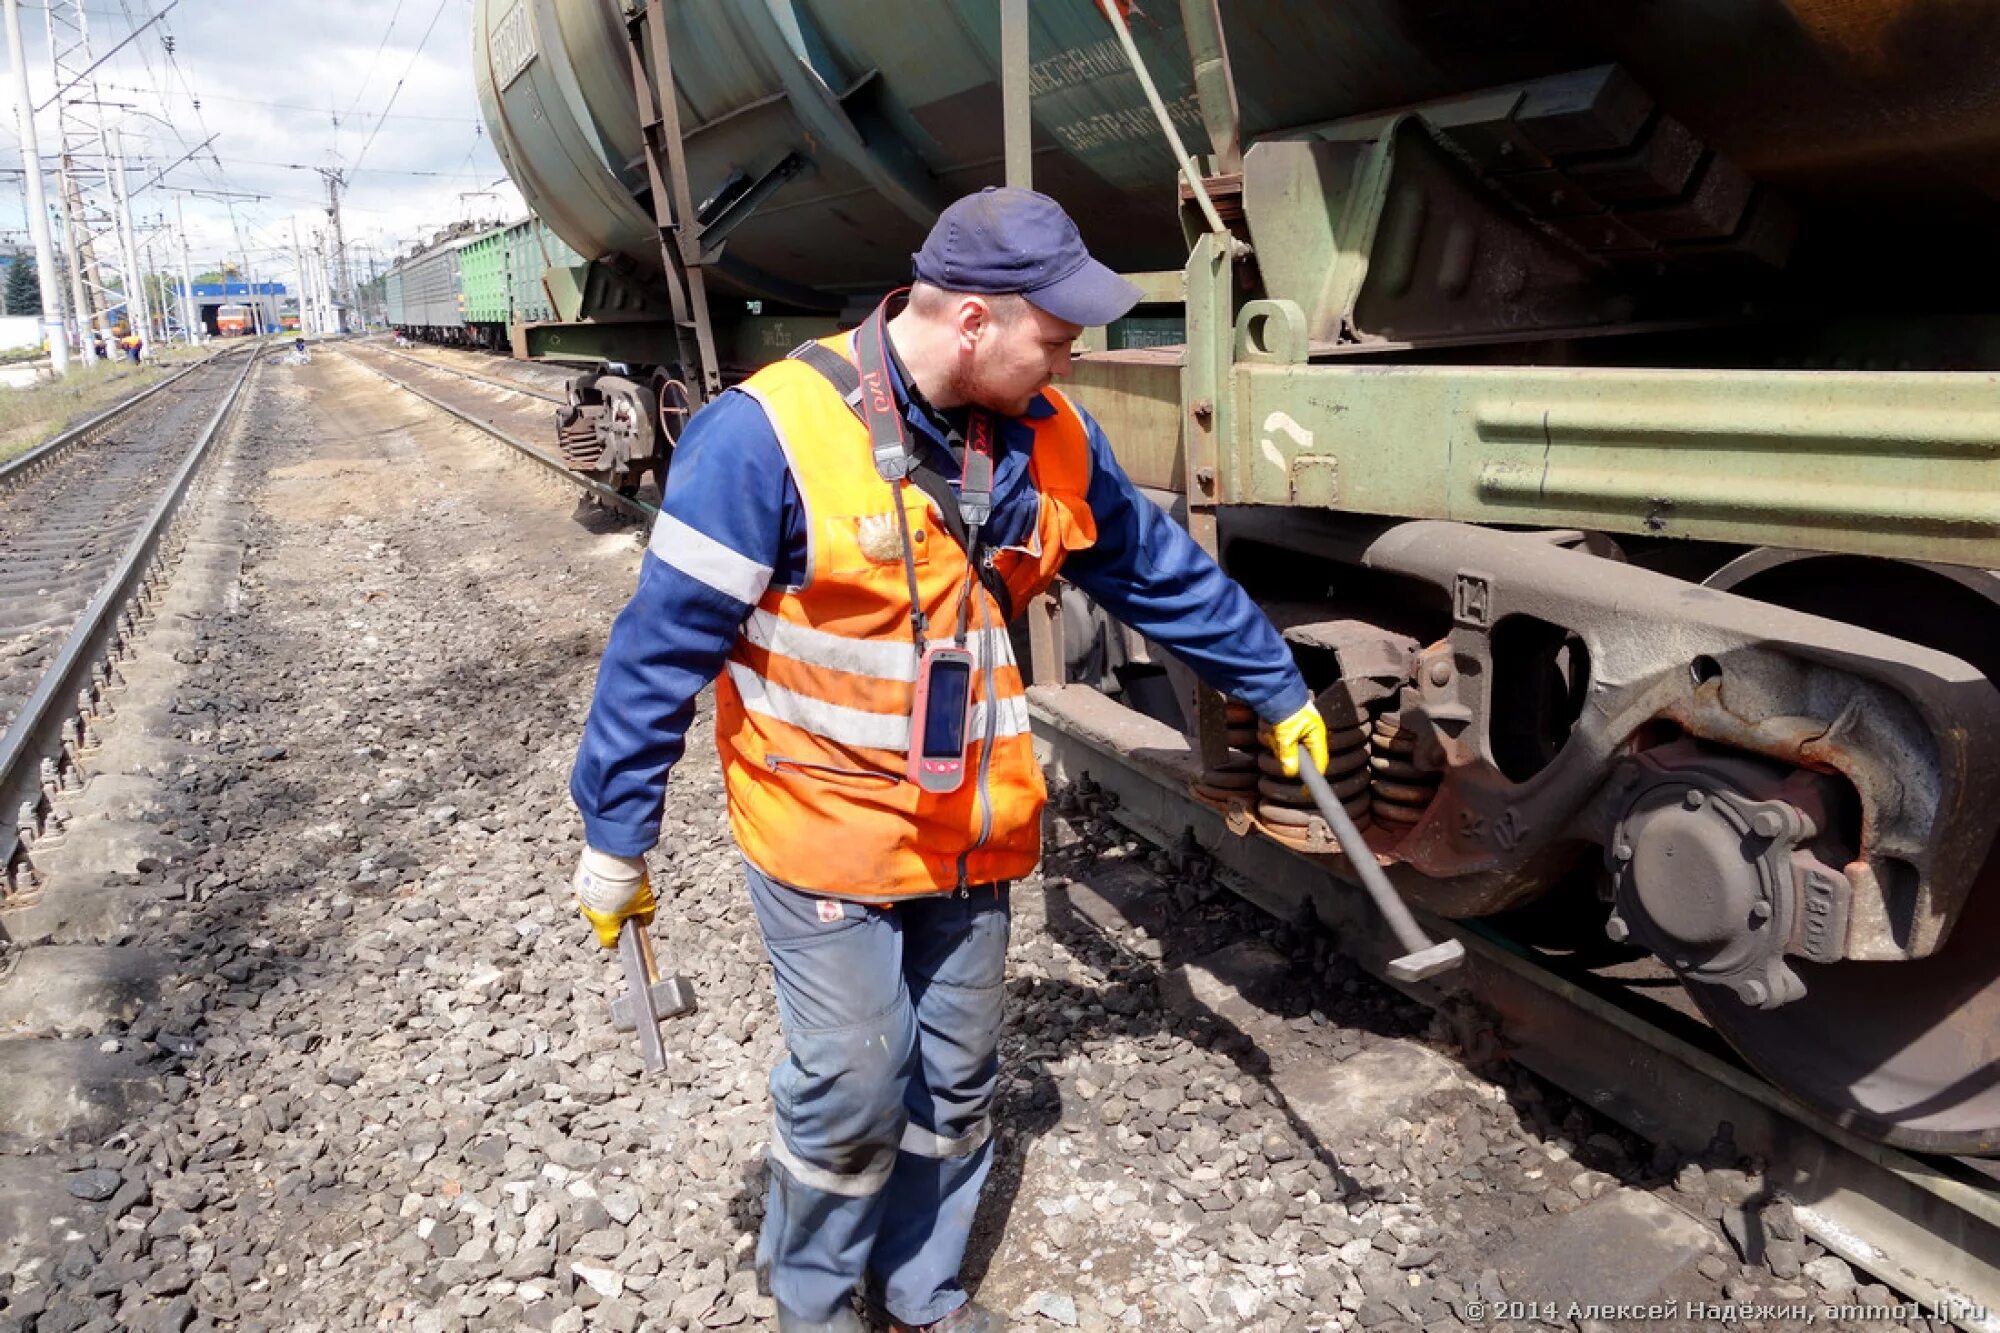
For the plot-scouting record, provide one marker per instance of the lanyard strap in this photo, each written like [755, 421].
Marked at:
[975, 502]
[888, 440]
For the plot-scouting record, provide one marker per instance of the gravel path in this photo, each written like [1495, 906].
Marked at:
[389, 1097]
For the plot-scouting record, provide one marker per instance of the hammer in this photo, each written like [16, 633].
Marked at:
[647, 1001]
[1423, 958]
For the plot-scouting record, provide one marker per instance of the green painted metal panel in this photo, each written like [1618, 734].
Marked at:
[642, 341]
[392, 291]
[482, 272]
[1136, 396]
[1887, 463]
[532, 250]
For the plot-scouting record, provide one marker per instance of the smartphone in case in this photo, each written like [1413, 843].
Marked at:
[940, 718]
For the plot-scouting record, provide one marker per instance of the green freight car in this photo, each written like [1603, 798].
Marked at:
[501, 278]
[1600, 395]
[483, 278]
[533, 254]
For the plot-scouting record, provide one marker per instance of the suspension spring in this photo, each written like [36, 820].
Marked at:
[1236, 778]
[578, 440]
[1400, 791]
[1285, 802]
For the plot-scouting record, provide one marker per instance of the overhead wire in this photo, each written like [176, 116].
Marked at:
[415, 55]
[373, 60]
[170, 86]
[303, 109]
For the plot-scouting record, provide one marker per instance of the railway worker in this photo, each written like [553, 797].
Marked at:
[779, 562]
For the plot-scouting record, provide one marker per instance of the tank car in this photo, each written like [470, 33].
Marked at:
[1599, 395]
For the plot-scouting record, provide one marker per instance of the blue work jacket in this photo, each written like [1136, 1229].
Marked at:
[730, 484]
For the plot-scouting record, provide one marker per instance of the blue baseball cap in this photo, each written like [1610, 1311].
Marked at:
[1017, 241]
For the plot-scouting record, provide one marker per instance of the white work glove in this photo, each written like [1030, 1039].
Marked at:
[611, 890]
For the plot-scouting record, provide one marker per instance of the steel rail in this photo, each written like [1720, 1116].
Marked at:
[472, 375]
[66, 694]
[17, 470]
[1926, 1226]
[638, 509]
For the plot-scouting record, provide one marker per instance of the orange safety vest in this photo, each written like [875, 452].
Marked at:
[813, 705]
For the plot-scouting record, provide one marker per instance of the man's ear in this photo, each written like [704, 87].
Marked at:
[974, 316]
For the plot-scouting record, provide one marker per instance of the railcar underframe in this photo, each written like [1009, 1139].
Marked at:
[1720, 645]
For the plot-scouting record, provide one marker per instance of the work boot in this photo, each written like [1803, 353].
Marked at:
[970, 1317]
[843, 1320]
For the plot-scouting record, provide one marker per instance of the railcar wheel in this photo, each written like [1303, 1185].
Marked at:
[1908, 1053]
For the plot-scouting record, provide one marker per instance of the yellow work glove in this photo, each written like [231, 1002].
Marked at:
[611, 890]
[1305, 727]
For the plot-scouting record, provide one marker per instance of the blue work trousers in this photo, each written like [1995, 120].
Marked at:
[882, 1138]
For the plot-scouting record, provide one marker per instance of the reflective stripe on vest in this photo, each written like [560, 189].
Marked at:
[812, 712]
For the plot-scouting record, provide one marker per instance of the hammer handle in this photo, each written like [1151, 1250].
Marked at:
[636, 952]
[1422, 957]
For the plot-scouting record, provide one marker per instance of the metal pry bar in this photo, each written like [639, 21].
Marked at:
[647, 1001]
[1423, 957]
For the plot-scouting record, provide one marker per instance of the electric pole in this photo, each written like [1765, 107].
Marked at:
[322, 300]
[53, 330]
[136, 317]
[307, 324]
[187, 283]
[73, 255]
[91, 203]
[343, 284]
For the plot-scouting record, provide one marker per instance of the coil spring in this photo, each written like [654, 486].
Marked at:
[1284, 803]
[1400, 791]
[1238, 774]
[578, 440]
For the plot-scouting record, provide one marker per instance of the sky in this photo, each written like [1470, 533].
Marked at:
[380, 90]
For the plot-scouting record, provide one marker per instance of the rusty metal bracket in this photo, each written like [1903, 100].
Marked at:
[1914, 731]
[673, 204]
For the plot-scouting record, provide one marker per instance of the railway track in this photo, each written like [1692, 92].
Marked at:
[87, 535]
[444, 388]
[1928, 1226]
[497, 381]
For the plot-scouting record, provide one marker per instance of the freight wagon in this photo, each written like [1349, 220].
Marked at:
[474, 290]
[428, 303]
[1598, 394]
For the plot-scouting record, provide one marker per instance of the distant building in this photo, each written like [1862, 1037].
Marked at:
[262, 301]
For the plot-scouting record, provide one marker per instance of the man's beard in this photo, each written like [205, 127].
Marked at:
[979, 390]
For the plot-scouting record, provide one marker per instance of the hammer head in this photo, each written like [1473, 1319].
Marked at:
[647, 999]
[1440, 957]
[671, 998]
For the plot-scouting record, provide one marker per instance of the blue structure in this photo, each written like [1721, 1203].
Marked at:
[240, 292]
[210, 297]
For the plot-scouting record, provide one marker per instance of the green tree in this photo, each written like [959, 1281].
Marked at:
[24, 289]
